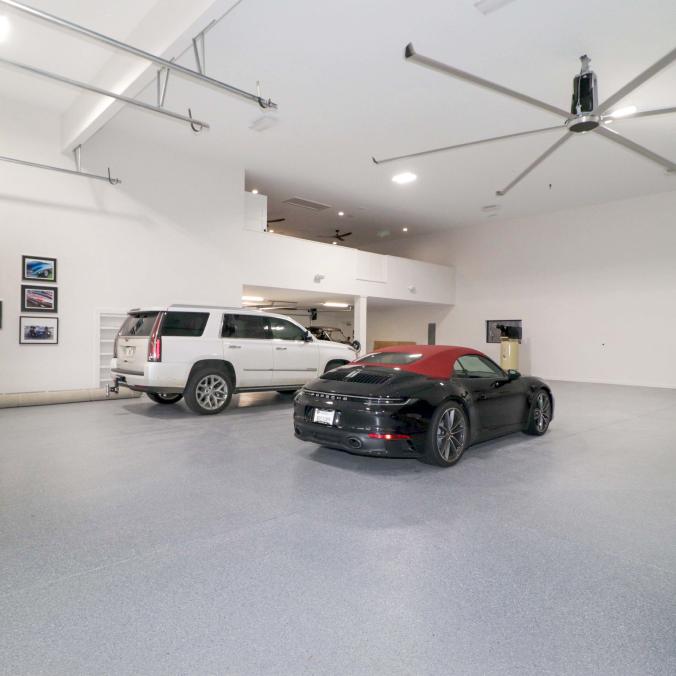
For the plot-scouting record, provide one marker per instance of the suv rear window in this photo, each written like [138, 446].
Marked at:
[138, 324]
[246, 326]
[184, 323]
[390, 358]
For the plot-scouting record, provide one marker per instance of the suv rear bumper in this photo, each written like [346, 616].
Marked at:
[155, 377]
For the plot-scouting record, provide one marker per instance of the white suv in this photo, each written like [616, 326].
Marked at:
[206, 354]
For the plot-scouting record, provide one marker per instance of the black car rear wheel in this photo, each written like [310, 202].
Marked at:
[160, 398]
[447, 436]
[540, 413]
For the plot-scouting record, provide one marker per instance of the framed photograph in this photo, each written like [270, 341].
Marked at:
[38, 269]
[39, 298]
[495, 328]
[38, 330]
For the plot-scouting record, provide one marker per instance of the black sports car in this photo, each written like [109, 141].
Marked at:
[420, 401]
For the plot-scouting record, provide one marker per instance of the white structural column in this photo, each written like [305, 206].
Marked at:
[360, 307]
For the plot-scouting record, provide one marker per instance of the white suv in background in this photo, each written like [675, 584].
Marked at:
[206, 354]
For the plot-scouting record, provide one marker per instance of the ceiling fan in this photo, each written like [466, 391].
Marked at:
[339, 236]
[585, 115]
[276, 220]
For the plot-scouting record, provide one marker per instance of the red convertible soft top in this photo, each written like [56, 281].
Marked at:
[436, 361]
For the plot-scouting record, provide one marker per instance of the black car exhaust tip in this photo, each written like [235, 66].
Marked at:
[354, 442]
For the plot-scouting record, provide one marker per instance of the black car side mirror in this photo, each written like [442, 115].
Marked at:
[308, 337]
[513, 374]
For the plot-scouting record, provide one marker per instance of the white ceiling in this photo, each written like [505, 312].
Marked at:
[345, 93]
[48, 47]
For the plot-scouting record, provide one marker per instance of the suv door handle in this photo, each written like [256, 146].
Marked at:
[235, 347]
[280, 348]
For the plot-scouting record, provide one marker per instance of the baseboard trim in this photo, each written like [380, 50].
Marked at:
[61, 397]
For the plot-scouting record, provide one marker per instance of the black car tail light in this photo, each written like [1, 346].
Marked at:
[388, 436]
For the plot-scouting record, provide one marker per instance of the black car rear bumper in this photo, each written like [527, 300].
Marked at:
[359, 443]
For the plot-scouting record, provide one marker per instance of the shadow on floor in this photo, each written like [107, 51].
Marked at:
[246, 403]
[371, 465]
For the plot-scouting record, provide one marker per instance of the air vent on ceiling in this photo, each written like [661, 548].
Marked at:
[307, 204]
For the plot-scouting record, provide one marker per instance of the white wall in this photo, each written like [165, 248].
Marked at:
[595, 288]
[173, 231]
[156, 238]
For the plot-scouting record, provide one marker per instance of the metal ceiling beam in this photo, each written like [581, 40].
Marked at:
[61, 170]
[104, 92]
[130, 49]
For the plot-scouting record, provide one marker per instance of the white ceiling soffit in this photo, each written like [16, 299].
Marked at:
[166, 30]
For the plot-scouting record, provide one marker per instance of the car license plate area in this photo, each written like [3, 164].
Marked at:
[323, 416]
[129, 351]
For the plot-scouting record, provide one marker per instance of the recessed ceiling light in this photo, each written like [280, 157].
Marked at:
[253, 299]
[255, 191]
[623, 112]
[334, 242]
[333, 304]
[271, 229]
[341, 213]
[5, 28]
[405, 177]
[404, 229]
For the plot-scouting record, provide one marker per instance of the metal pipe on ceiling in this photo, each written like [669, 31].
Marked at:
[123, 46]
[61, 170]
[104, 92]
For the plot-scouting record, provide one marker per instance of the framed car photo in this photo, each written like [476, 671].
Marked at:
[38, 330]
[38, 269]
[39, 298]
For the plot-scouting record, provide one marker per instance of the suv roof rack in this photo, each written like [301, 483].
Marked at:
[214, 307]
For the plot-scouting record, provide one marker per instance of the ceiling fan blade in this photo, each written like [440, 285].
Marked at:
[276, 220]
[643, 113]
[530, 167]
[638, 81]
[345, 234]
[411, 54]
[465, 145]
[630, 145]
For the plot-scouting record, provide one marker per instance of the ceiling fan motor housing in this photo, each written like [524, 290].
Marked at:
[585, 100]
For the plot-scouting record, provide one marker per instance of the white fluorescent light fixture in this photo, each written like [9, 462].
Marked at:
[5, 28]
[263, 123]
[254, 191]
[406, 177]
[488, 6]
[253, 299]
[332, 304]
[623, 112]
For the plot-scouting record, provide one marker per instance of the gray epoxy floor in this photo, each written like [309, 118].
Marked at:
[139, 539]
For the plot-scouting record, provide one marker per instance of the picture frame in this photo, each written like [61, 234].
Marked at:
[39, 298]
[38, 269]
[38, 330]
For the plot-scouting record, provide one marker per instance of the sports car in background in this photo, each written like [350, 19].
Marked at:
[428, 402]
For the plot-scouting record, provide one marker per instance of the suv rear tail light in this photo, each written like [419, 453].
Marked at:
[155, 342]
[117, 338]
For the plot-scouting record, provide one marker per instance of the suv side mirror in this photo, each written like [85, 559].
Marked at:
[308, 337]
[513, 374]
